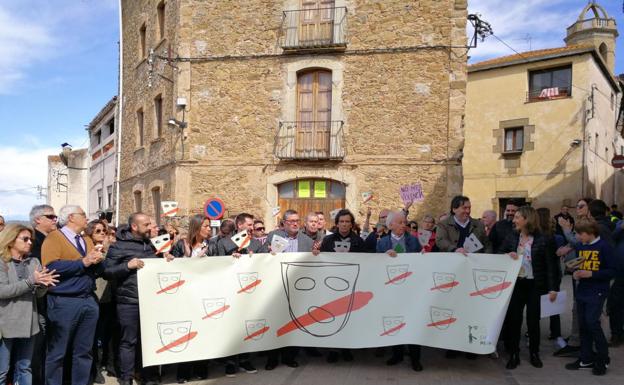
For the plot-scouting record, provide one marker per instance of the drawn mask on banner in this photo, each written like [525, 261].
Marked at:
[439, 314]
[394, 271]
[246, 279]
[255, 326]
[310, 286]
[172, 331]
[167, 279]
[390, 323]
[440, 279]
[213, 304]
[484, 279]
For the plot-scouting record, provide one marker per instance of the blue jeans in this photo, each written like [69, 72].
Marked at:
[22, 351]
[71, 330]
[589, 310]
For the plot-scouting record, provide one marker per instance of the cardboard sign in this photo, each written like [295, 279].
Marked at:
[206, 308]
[424, 236]
[169, 208]
[162, 243]
[278, 244]
[472, 244]
[548, 308]
[367, 197]
[411, 193]
[342, 247]
[241, 239]
[275, 211]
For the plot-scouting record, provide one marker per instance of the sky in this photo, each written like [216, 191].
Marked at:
[59, 63]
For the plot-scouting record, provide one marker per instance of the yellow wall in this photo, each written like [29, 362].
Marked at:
[551, 173]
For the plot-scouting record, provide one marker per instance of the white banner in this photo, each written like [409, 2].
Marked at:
[202, 308]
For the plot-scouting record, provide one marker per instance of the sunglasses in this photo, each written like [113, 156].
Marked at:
[259, 229]
[51, 217]
[414, 227]
[580, 206]
[99, 231]
[26, 239]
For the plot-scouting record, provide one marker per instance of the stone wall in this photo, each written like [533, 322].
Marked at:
[398, 88]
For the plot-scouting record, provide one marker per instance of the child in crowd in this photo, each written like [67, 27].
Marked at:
[594, 273]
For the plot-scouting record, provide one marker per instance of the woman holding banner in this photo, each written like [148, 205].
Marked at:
[537, 276]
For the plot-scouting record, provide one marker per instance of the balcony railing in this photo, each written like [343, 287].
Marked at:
[314, 140]
[548, 94]
[591, 24]
[317, 28]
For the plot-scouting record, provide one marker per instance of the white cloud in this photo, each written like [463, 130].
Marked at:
[514, 21]
[22, 43]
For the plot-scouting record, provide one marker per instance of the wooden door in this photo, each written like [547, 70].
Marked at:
[311, 195]
[305, 206]
[314, 114]
[317, 22]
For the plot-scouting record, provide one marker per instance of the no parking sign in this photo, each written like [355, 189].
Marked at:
[214, 208]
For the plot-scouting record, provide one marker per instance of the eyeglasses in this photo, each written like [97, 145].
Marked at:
[292, 221]
[580, 206]
[99, 231]
[259, 229]
[51, 217]
[26, 239]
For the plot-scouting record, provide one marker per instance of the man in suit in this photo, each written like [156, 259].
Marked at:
[297, 241]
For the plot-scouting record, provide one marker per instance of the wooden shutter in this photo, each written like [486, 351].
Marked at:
[317, 22]
[314, 114]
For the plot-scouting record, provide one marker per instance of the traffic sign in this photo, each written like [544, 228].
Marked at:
[618, 161]
[214, 208]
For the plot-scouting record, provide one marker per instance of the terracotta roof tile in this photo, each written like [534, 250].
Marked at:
[531, 55]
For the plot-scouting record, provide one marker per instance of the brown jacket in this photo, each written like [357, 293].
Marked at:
[57, 247]
[447, 235]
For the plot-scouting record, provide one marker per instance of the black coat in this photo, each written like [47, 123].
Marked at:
[119, 254]
[357, 243]
[500, 231]
[544, 268]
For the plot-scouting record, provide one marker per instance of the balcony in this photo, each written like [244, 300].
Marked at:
[548, 94]
[594, 23]
[311, 140]
[314, 29]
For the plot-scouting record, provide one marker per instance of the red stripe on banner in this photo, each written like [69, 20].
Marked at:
[445, 286]
[177, 342]
[218, 311]
[256, 333]
[334, 308]
[394, 329]
[399, 277]
[443, 322]
[250, 286]
[492, 289]
[172, 286]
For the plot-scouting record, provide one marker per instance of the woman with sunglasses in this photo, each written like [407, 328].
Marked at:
[97, 230]
[21, 280]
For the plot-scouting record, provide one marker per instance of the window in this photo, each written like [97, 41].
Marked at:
[314, 106]
[156, 202]
[158, 115]
[138, 202]
[140, 132]
[99, 199]
[111, 126]
[312, 189]
[514, 139]
[97, 138]
[317, 22]
[142, 42]
[550, 83]
[161, 20]
[109, 196]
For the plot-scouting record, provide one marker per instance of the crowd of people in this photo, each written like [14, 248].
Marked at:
[69, 304]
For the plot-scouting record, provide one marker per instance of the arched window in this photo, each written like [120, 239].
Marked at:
[604, 51]
[311, 195]
[314, 107]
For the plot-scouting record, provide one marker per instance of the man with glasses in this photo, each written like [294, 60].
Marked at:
[43, 220]
[72, 309]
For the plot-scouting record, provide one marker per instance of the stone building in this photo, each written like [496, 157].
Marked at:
[103, 166]
[541, 126]
[301, 104]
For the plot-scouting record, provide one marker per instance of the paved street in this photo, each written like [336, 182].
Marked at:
[367, 369]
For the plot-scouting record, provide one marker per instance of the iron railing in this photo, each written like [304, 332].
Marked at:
[317, 28]
[548, 94]
[312, 140]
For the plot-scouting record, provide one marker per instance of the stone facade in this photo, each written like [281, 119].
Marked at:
[397, 87]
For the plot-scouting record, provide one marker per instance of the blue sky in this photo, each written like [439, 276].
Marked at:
[59, 61]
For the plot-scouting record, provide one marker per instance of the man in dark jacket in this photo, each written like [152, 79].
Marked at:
[598, 210]
[504, 227]
[122, 262]
[565, 214]
[226, 246]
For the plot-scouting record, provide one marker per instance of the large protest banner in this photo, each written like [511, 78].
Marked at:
[202, 308]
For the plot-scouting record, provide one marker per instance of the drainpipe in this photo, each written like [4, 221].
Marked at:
[120, 118]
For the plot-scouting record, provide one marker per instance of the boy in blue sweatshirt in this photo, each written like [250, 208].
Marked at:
[593, 275]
